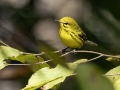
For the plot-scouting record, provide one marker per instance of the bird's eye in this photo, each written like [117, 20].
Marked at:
[66, 23]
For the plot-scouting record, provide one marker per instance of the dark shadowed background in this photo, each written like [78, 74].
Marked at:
[25, 23]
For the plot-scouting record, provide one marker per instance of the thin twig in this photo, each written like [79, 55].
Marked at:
[57, 51]
[3, 43]
[30, 64]
[67, 53]
[86, 51]
[95, 58]
[73, 51]
[38, 54]
[93, 52]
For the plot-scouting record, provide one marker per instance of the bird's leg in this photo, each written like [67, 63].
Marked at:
[64, 50]
[77, 49]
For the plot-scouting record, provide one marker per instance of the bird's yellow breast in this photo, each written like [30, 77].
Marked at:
[69, 39]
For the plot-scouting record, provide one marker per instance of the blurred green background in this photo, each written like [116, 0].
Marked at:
[25, 23]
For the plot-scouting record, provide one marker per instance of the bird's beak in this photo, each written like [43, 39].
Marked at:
[57, 20]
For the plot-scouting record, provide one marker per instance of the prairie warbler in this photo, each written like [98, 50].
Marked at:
[71, 34]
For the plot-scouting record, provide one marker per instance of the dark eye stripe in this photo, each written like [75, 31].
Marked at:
[66, 23]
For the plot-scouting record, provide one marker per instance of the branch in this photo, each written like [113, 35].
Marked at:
[30, 64]
[91, 52]
[69, 52]
[3, 43]
[73, 51]
[38, 54]
[95, 58]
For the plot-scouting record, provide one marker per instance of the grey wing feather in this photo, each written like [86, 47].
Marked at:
[90, 43]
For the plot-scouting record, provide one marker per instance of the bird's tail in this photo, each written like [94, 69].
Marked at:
[90, 43]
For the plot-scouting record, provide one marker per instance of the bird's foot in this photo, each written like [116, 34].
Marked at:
[65, 50]
[72, 51]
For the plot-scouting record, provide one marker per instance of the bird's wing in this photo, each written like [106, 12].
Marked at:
[83, 36]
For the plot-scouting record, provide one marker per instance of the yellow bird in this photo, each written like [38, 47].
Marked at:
[71, 34]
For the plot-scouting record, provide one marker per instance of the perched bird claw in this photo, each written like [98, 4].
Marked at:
[65, 50]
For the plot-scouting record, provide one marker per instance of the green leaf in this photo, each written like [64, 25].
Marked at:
[6, 52]
[33, 60]
[2, 64]
[114, 76]
[112, 59]
[50, 77]
[89, 78]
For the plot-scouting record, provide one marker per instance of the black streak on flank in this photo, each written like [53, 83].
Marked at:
[83, 36]
[75, 39]
[78, 37]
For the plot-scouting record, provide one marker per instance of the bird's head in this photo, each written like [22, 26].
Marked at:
[68, 23]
